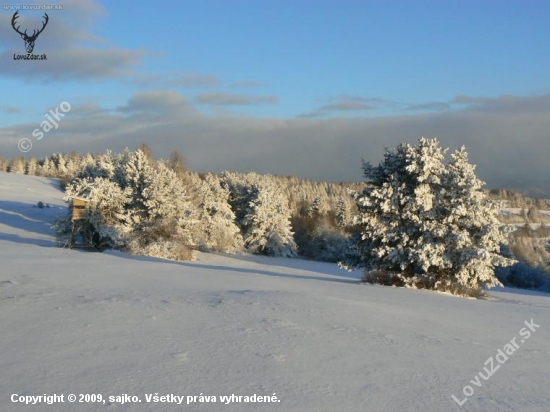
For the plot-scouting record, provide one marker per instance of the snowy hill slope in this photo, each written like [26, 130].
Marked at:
[75, 322]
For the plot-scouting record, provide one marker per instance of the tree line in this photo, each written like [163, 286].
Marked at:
[420, 219]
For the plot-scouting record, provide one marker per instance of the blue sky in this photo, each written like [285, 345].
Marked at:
[304, 51]
[254, 63]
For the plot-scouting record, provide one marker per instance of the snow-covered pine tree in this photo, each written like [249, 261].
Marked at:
[164, 218]
[255, 200]
[164, 195]
[31, 166]
[134, 171]
[474, 235]
[60, 164]
[100, 166]
[217, 228]
[176, 163]
[17, 165]
[72, 166]
[317, 208]
[267, 227]
[407, 220]
[241, 191]
[395, 207]
[87, 159]
[46, 168]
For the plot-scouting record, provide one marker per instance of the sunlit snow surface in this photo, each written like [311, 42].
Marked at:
[109, 323]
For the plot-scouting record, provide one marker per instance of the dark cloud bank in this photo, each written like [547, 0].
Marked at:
[507, 137]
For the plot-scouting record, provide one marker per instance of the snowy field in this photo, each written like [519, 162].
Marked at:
[75, 322]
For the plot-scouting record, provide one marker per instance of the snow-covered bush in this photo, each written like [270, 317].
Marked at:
[327, 244]
[532, 271]
[427, 222]
[163, 239]
[533, 251]
[524, 276]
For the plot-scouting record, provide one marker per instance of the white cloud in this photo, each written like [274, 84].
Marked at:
[195, 80]
[231, 99]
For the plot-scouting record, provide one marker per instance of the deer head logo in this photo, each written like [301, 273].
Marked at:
[29, 40]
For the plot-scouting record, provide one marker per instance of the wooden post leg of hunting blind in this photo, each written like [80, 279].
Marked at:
[73, 235]
[82, 229]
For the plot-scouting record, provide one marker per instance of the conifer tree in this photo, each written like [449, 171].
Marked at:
[17, 165]
[267, 223]
[474, 235]
[217, 228]
[425, 222]
[31, 166]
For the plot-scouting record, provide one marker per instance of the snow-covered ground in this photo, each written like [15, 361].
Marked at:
[75, 322]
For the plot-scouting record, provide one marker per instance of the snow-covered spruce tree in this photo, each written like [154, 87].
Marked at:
[410, 227]
[4, 164]
[73, 165]
[241, 191]
[262, 212]
[176, 163]
[133, 171]
[342, 214]
[60, 163]
[31, 166]
[217, 227]
[100, 166]
[267, 223]
[46, 168]
[17, 165]
[317, 208]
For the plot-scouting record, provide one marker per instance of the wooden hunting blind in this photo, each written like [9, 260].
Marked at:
[80, 208]
[81, 236]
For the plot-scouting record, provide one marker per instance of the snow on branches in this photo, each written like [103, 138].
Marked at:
[427, 222]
